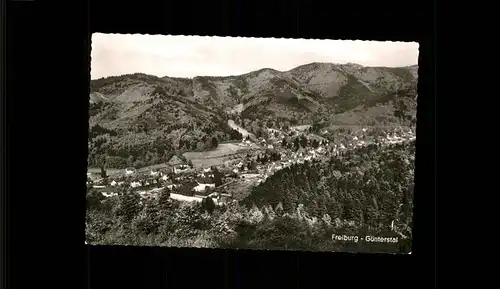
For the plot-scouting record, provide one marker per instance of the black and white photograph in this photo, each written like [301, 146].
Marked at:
[251, 143]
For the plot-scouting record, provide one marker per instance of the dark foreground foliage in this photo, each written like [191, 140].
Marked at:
[368, 192]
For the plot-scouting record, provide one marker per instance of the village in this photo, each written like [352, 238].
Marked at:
[233, 179]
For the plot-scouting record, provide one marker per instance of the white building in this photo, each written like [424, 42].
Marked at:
[183, 198]
[135, 184]
[110, 194]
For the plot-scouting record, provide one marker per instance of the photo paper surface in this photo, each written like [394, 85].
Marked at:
[251, 143]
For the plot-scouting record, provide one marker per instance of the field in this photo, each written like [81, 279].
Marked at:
[216, 157]
[96, 172]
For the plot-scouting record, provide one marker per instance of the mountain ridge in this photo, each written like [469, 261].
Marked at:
[243, 74]
[186, 113]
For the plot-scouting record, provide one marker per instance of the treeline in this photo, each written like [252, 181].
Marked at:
[96, 130]
[129, 220]
[268, 156]
[297, 142]
[97, 84]
[370, 186]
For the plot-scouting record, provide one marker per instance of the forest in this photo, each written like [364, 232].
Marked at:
[140, 148]
[366, 192]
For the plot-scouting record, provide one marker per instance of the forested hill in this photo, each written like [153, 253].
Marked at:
[154, 117]
[371, 186]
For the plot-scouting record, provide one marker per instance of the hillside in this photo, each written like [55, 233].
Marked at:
[363, 185]
[140, 119]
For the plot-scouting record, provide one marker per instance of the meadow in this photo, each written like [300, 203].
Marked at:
[217, 156]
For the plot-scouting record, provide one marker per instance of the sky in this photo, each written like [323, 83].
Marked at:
[190, 56]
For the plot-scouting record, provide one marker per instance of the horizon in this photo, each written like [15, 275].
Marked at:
[198, 56]
[226, 76]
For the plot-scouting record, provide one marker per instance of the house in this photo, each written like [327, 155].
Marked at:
[207, 170]
[99, 187]
[135, 184]
[183, 198]
[179, 169]
[165, 177]
[113, 183]
[270, 146]
[130, 171]
[154, 173]
[202, 187]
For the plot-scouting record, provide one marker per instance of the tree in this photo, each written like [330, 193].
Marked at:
[284, 143]
[400, 109]
[164, 201]
[208, 205]
[215, 142]
[279, 209]
[103, 173]
[129, 206]
[303, 141]
[217, 177]
[296, 143]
